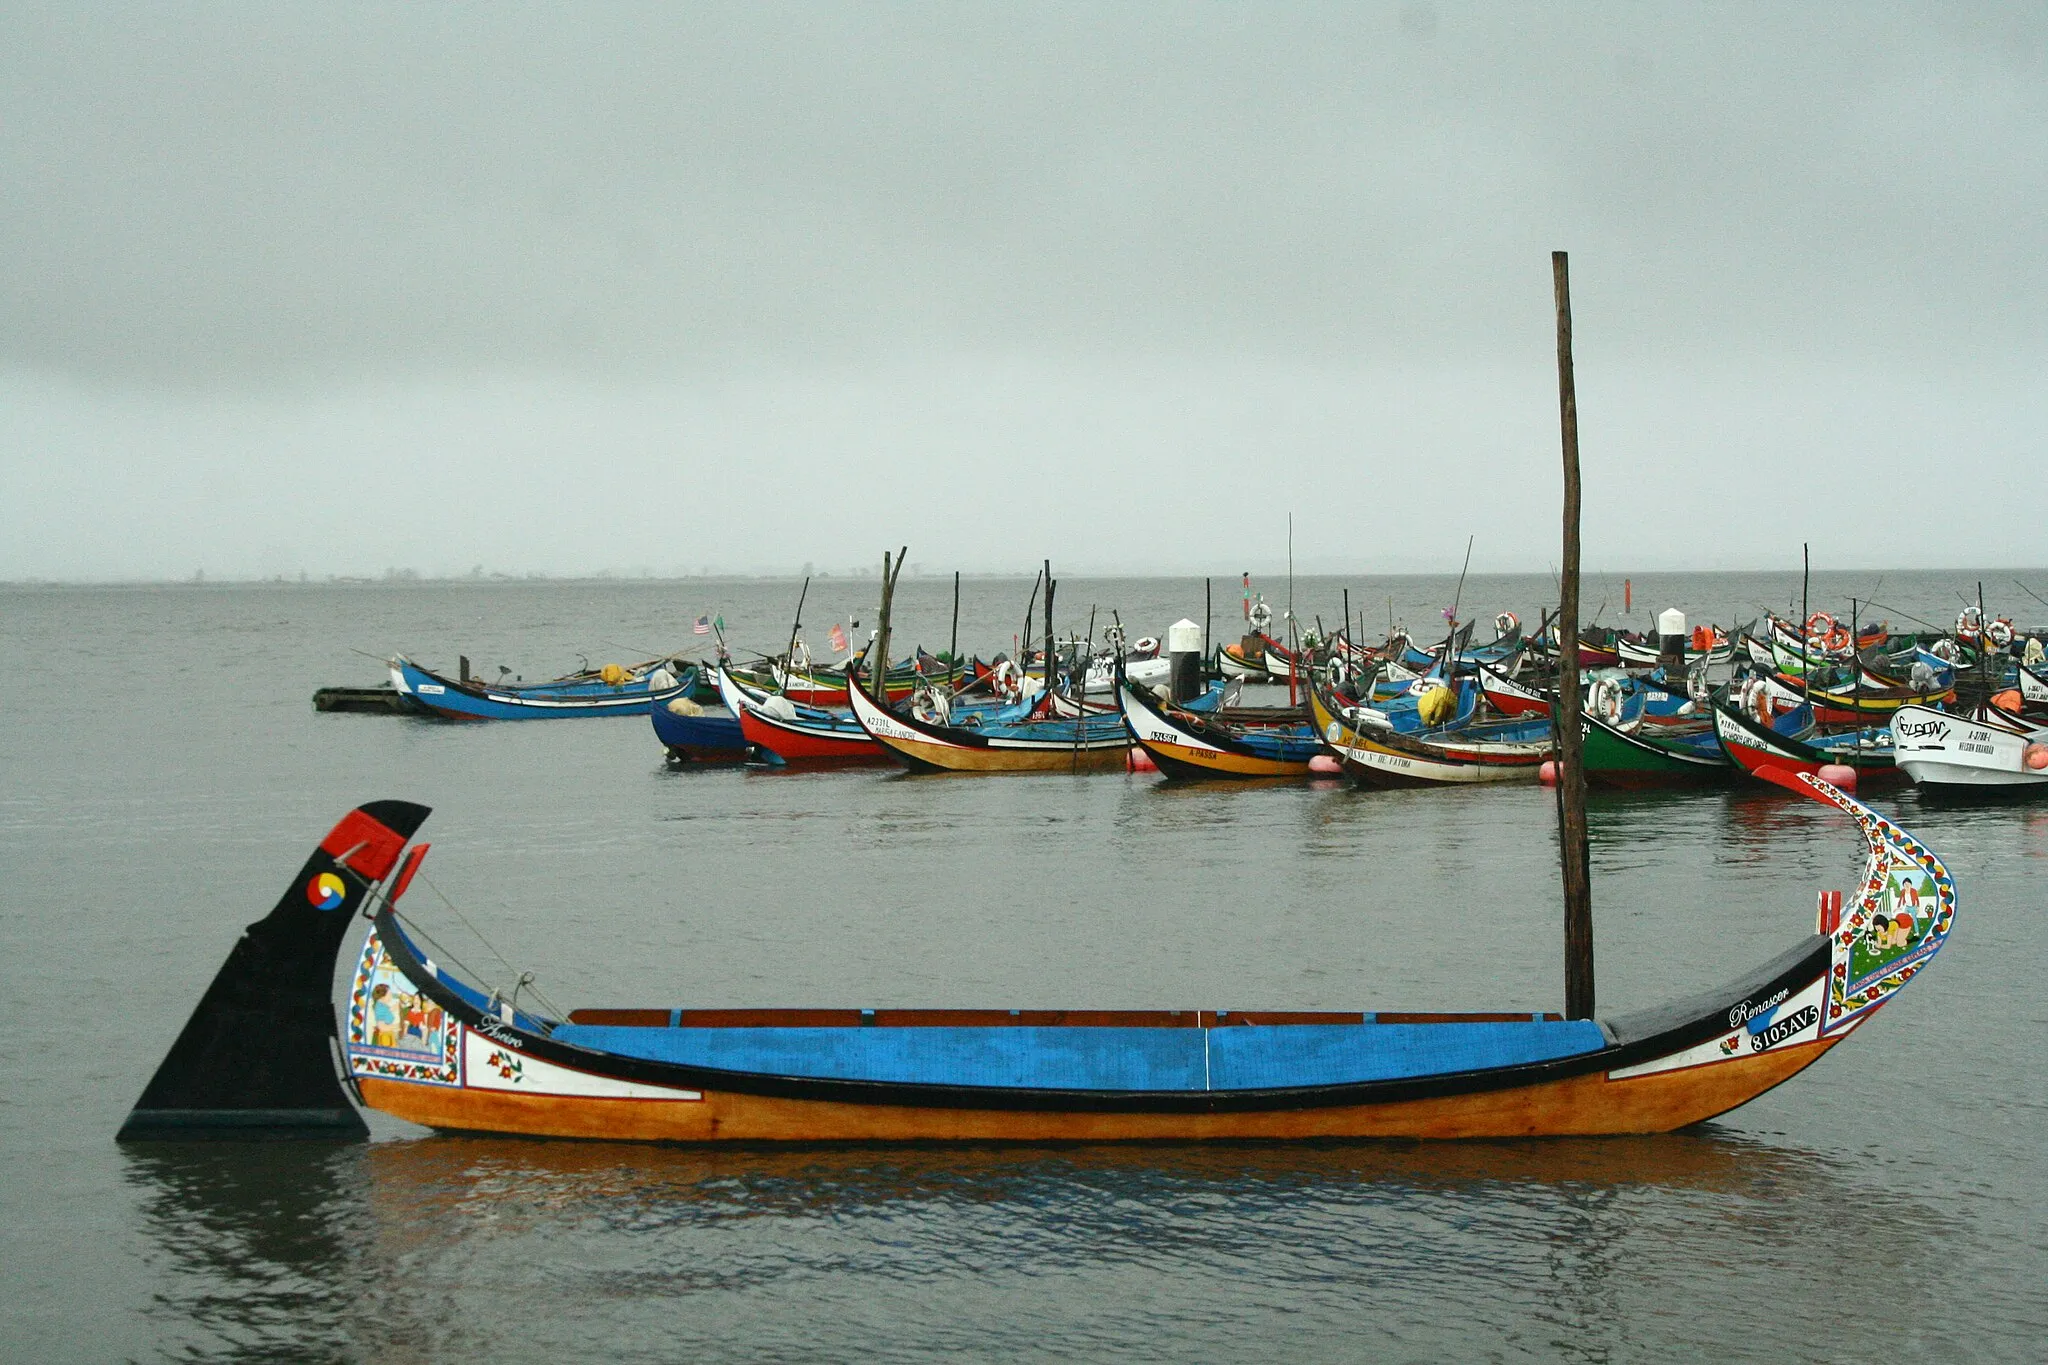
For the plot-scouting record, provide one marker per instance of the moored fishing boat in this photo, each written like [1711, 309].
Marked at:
[1184, 744]
[1625, 751]
[1791, 742]
[1088, 743]
[1982, 754]
[695, 734]
[794, 732]
[623, 692]
[424, 1043]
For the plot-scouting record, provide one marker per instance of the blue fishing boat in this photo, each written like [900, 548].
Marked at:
[614, 691]
[697, 734]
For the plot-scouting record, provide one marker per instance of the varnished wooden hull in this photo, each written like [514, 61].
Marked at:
[958, 749]
[1593, 1104]
[1193, 751]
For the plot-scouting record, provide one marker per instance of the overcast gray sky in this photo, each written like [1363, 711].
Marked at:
[334, 288]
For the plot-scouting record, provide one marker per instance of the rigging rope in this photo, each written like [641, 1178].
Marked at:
[523, 980]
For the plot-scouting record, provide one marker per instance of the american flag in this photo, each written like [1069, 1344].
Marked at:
[838, 639]
[703, 626]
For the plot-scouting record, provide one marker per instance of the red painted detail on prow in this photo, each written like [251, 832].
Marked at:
[380, 845]
[1791, 782]
[418, 855]
[1830, 911]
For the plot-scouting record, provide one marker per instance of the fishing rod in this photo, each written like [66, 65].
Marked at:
[2030, 592]
[1909, 615]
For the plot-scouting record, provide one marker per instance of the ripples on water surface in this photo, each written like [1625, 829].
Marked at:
[164, 773]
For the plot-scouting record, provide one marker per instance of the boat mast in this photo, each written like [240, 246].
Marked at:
[1050, 664]
[796, 625]
[953, 649]
[1571, 778]
[1805, 631]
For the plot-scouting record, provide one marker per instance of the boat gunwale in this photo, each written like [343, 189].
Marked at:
[1705, 1016]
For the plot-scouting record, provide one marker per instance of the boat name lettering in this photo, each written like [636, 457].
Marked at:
[432, 689]
[497, 1032]
[1745, 1012]
[1784, 1028]
[1976, 748]
[1920, 729]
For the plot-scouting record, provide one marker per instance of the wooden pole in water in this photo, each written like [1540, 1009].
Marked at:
[881, 671]
[1571, 777]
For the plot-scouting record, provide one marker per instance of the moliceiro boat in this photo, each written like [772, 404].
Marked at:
[424, 1044]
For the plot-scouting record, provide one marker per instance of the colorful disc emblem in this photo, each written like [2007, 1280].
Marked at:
[326, 891]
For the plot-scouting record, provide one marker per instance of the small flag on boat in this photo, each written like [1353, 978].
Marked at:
[838, 639]
[703, 626]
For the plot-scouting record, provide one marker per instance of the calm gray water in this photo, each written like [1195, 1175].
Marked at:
[164, 773]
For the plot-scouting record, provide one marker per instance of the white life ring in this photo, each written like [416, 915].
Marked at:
[1506, 623]
[1337, 671]
[1606, 700]
[1999, 633]
[1261, 616]
[928, 706]
[1968, 620]
[1944, 650]
[1007, 679]
[1146, 647]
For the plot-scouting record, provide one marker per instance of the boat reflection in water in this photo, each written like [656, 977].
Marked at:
[515, 1249]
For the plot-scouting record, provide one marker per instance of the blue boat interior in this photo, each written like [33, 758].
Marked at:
[1222, 1056]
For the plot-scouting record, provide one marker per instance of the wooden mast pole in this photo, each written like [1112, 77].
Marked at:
[953, 649]
[1050, 668]
[1571, 778]
[881, 674]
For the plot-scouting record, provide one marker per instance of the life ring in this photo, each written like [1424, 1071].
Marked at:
[1999, 633]
[928, 706]
[800, 656]
[1696, 685]
[1261, 616]
[1606, 700]
[1146, 647]
[1007, 679]
[1337, 671]
[1944, 650]
[1506, 624]
[1968, 622]
[1761, 704]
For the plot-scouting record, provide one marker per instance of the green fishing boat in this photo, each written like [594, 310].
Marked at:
[1624, 755]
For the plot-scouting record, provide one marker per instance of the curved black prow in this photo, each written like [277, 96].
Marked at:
[257, 1057]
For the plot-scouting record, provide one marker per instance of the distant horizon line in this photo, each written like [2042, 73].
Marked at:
[413, 578]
